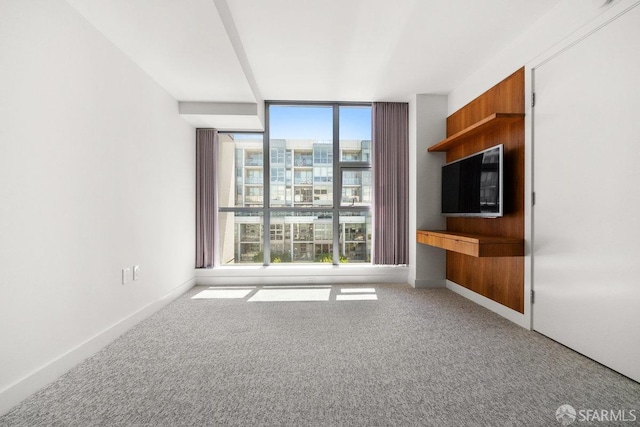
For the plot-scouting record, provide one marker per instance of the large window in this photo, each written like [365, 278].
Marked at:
[301, 192]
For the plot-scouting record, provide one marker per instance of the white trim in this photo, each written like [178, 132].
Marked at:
[300, 274]
[528, 196]
[23, 388]
[615, 11]
[512, 315]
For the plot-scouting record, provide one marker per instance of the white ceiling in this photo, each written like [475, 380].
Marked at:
[244, 51]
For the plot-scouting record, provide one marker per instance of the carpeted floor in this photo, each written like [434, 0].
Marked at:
[408, 358]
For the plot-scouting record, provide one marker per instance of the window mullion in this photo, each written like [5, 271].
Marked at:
[266, 193]
[337, 195]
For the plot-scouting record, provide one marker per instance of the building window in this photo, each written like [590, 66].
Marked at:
[318, 189]
[356, 187]
[322, 155]
[277, 156]
[253, 176]
[303, 158]
[303, 177]
[277, 176]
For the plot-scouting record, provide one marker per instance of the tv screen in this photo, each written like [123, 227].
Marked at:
[472, 186]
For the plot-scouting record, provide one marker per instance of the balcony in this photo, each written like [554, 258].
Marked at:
[352, 181]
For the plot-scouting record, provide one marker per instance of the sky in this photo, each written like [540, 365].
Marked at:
[312, 122]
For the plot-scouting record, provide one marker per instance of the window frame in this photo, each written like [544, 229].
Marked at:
[337, 168]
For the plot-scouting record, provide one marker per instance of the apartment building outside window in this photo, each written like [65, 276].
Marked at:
[301, 192]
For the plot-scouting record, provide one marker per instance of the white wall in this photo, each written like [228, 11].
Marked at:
[427, 126]
[96, 173]
[564, 19]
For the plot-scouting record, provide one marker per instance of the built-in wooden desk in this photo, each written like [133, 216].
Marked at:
[472, 244]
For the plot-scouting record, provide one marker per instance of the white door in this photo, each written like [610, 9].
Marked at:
[586, 219]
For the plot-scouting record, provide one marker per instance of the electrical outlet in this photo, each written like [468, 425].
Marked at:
[126, 273]
[136, 272]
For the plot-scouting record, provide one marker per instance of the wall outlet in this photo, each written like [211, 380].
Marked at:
[126, 274]
[136, 272]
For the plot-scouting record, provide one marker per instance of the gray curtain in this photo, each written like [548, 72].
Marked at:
[391, 182]
[206, 195]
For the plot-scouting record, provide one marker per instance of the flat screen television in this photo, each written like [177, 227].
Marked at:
[472, 186]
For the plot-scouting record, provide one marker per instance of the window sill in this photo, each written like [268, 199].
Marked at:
[301, 274]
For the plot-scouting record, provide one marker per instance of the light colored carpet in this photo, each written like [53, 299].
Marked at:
[409, 358]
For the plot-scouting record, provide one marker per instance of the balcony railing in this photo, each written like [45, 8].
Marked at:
[352, 181]
[253, 161]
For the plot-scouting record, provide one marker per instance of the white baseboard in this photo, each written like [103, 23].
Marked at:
[25, 387]
[516, 317]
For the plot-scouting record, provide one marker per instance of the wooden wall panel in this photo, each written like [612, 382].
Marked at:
[501, 279]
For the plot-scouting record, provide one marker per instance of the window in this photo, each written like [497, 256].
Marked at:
[278, 195]
[355, 235]
[356, 187]
[297, 194]
[240, 237]
[322, 155]
[240, 220]
[277, 175]
[277, 156]
[253, 158]
[303, 196]
[322, 195]
[303, 158]
[303, 177]
[322, 174]
[253, 196]
[253, 176]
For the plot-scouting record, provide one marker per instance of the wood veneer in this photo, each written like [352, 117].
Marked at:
[484, 125]
[498, 278]
[472, 244]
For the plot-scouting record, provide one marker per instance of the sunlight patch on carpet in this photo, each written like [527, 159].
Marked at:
[273, 295]
[358, 290]
[222, 293]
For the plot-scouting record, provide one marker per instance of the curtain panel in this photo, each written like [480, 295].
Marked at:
[390, 143]
[206, 195]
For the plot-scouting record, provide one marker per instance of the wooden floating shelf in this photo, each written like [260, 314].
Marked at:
[483, 125]
[472, 244]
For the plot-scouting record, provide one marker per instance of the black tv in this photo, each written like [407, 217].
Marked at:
[472, 186]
